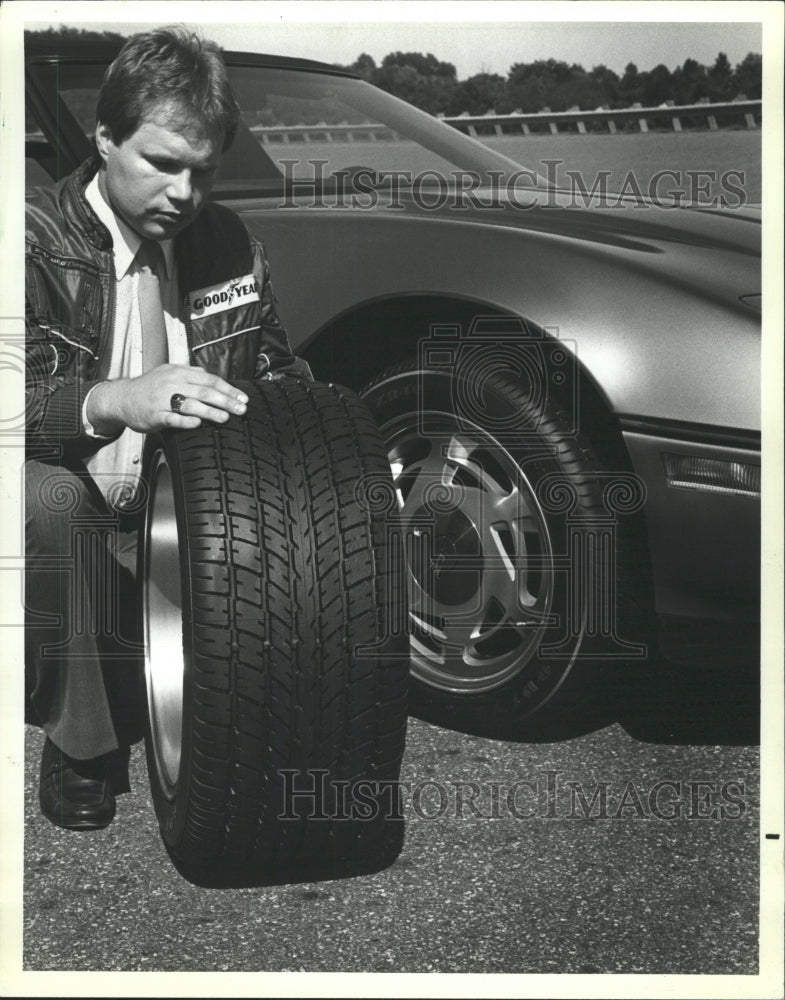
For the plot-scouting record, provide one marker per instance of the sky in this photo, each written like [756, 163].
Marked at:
[475, 37]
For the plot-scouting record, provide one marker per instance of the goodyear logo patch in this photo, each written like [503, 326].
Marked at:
[219, 298]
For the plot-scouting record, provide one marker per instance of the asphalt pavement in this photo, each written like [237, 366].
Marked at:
[626, 844]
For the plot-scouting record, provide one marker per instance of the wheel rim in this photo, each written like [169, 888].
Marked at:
[480, 559]
[163, 625]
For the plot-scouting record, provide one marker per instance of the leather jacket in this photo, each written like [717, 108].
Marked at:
[224, 284]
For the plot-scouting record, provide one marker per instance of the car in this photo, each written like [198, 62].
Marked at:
[569, 392]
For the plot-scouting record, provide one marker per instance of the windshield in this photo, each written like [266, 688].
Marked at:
[301, 117]
[303, 128]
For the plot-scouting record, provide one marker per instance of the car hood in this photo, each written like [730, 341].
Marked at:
[653, 236]
[642, 226]
[684, 245]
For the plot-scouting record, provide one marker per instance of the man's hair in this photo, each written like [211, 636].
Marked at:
[172, 75]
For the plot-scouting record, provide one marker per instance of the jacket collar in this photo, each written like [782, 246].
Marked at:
[75, 204]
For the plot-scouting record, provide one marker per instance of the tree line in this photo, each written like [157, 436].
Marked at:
[433, 85]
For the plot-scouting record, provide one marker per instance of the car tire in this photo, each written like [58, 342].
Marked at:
[526, 571]
[276, 704]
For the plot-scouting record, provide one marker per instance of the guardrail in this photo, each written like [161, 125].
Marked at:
[343, 132]
[749, 111]
[716, 116]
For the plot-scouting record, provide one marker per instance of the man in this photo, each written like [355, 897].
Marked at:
[144, 304]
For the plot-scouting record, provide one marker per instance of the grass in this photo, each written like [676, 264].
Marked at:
[643, 155]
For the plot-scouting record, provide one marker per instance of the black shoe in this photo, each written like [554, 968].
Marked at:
[77, 795]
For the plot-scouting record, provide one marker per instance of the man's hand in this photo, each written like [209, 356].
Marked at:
[143, 403]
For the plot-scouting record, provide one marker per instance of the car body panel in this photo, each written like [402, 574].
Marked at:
[704, 546]
[691, 355]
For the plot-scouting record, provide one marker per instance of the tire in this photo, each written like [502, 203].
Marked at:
[265, 603]
[525, 569]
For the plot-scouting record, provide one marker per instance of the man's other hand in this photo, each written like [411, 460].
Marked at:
[143, 403]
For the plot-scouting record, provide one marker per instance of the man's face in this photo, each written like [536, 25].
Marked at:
[156, 179]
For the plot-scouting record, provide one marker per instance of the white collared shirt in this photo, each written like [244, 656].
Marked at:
[116, 466]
